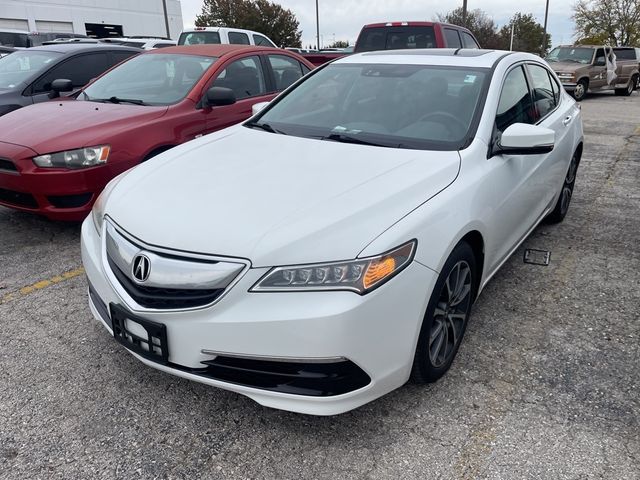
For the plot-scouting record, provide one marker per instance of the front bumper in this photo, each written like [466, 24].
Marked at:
[375, 333]
[58, 194]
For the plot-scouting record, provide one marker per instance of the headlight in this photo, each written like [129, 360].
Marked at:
[97, 212]
[361, 275]
[80, 158]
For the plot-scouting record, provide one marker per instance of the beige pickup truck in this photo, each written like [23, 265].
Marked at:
[583, 68]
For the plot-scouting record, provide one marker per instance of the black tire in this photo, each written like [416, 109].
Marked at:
[564, 200]
[447, 315]
[628, 90]
[581, 90]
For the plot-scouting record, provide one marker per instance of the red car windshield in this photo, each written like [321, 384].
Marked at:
[151, 79]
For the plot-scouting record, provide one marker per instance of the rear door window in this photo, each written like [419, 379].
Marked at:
[544, 98]
[452, 38]
[286, 70]
[625, 53]
[262, 41]
[468, 41]
[238, 38]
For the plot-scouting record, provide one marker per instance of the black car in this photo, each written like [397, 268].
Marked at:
[5, 50]
[26, 76]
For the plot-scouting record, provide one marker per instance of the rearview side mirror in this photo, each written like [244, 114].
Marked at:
[525, 139]
[257, 107]
[60, 85]
[219, 96]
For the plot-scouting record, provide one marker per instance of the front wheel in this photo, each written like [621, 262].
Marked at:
[562, 205]
[446, 318]
[581, 90]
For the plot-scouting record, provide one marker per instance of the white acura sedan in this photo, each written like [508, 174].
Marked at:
[330, 248]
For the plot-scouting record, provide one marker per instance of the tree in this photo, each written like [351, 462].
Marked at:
[478, 22]
[263, 16]
[527, 35]
[616, 22]
[339, 44]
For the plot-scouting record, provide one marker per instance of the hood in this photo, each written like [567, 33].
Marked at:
[275, 199]
[64, 125]
[567, 67]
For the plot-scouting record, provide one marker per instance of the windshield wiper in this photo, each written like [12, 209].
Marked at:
[264, 126]
[119, 100]
[341, 137]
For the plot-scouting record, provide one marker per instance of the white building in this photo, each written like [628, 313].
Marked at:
[100, 18]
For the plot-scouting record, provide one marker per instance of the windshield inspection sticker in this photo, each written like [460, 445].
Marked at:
[470, 79]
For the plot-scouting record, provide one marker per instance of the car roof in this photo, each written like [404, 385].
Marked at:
[411, 24]
[11, 30]
[592, 46]
[212, 50]
[69, 48]
[465, 57]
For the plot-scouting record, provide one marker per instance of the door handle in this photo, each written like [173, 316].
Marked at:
[567, 120]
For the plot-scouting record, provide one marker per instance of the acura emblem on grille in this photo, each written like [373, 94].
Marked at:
[141, 268]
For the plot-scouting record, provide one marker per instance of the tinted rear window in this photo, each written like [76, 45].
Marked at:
[199, 38]
[625, 53]
[11, 39]
[395, 38]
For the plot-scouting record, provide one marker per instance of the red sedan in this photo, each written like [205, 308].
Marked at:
[56, 157]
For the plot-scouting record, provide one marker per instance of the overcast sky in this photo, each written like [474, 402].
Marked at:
[343, 19]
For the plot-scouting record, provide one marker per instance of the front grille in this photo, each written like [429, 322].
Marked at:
[8, 166]
[70, 201]
[18, 199]
[164, 298]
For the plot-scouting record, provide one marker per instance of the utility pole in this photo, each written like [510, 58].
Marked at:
[166, 18]
[317, 25]
[464, 13]
[544, 35]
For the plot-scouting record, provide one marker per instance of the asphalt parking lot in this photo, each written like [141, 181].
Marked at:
[546, 385]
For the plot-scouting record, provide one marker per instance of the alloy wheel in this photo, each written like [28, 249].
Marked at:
[450, 315]
[567, 188]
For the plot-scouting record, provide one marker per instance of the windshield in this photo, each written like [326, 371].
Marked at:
[395, 38]
[570, 54]
[149, 79]
[402, 106]
[198, 38]
[20, 66]
[12, 39]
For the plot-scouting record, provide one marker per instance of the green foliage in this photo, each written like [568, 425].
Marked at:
[613, 22]
[478, 22]
[527, 35]
[263, 16]
[339, 44]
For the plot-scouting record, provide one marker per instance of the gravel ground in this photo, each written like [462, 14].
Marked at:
[546, 385]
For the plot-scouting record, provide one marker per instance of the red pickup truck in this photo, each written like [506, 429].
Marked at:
[401, 35]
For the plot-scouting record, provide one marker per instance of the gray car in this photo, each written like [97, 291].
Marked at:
[26, 76]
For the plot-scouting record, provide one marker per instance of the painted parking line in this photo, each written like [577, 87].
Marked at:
[41, 285]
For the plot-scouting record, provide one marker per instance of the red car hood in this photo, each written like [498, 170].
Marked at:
[56, 126]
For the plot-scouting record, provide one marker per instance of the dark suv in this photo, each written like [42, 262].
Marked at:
[402, 35]
[26, 76]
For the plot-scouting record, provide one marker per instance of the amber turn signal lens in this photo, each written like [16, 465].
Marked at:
[378, 270]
